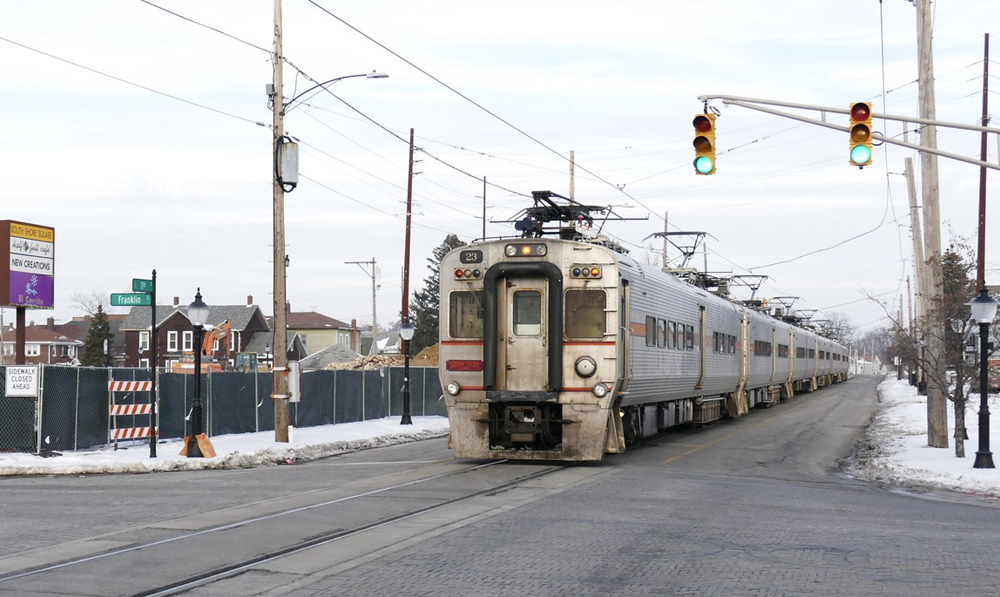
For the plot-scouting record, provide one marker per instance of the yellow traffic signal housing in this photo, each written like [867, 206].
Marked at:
[704, 144]
[861, 134]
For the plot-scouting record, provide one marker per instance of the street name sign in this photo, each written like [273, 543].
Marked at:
[131, 300]
[140, 285]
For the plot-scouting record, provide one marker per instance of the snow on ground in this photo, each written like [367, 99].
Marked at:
[893, 451]
[232, 451]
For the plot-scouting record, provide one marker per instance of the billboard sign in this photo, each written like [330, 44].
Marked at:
[27, 271]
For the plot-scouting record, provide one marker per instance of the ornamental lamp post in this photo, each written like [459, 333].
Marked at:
[197, 312]
[406, 333]
[984, 309]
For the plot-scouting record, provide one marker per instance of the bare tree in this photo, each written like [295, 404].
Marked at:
[948, 322]
[91, 302]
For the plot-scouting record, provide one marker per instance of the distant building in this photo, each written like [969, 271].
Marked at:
[175, 334]
[42, 346]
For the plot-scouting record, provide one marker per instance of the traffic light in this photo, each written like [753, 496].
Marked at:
[704, 144]
[861, 134]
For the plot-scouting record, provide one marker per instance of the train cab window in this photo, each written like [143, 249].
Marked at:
[585, 313]
[465, 317]
[527, 313]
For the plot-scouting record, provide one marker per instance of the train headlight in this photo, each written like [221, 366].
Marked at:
[453, 388]
[525, 250]
[600, 390]
[585, 366]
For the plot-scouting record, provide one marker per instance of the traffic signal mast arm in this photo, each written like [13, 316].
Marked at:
[746, 102]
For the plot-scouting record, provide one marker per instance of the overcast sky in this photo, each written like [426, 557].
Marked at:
[134, 133]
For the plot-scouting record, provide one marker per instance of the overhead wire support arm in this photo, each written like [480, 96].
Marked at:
[758, 104]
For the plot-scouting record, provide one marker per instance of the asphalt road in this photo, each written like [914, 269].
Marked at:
[755, 506]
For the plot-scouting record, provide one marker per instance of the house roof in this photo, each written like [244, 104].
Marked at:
[311, 320]
[40, 335]
[239, 316]
[338, 353]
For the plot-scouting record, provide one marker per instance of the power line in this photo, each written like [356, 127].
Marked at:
[190, 20]
[127, 82]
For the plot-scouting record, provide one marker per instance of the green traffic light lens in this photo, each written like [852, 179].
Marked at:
[860, 154]
[703, 164]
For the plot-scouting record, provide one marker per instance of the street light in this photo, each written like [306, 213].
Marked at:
[372, 75]
[406, 333]
[197, 312]
[984, 309]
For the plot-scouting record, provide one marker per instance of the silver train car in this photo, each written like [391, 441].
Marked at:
[563, 348]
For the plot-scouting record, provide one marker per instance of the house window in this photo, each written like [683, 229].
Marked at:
[172, 341]
[144, 363]
[188, 341]
[32, 350]
[143, 341]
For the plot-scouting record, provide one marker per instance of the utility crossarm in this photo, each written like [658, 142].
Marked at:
[746, 102]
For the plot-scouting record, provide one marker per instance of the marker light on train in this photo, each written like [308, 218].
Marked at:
[453, 389]
[600, 390]
[468, 273]
[586, 271]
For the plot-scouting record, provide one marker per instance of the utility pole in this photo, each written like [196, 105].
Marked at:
[981, 261]
[919, 265]
[484, 208]
[572, 174]
[937, 410]
[406, 247]
[374, 274]
[280, 370]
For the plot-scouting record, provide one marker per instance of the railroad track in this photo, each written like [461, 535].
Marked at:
[330, 528]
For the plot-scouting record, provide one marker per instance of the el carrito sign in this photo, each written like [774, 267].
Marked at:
[27, 265]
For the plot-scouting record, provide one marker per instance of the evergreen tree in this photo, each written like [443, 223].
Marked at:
[94, 354]
[425, 305]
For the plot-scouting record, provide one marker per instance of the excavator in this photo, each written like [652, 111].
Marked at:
[221, 334]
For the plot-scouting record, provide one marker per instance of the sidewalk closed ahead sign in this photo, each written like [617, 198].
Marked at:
[22, 381]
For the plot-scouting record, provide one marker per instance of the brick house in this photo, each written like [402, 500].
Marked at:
[175, 334]
[42, 346]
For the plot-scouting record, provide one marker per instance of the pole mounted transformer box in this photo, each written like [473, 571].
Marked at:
[288, 167]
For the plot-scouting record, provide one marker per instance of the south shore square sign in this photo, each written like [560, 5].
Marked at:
[28, 265]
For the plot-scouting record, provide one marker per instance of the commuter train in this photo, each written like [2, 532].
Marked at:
[556, 345]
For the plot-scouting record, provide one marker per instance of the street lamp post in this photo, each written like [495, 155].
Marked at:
[406, 333]
[197, 312]
[984, 309]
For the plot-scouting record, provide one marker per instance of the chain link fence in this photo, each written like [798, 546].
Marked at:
[72, 410]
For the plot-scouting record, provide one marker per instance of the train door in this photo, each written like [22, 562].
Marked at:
[523, 346]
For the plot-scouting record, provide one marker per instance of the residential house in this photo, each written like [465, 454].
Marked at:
[79, 328]
[42, 346]
[319, 332]
[249, 332]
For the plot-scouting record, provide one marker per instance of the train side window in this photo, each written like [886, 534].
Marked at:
[585, 313]
[650, 331]
[465, 317]
[527, 313]
[671, 334]
[689, 336]
[661, 333]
